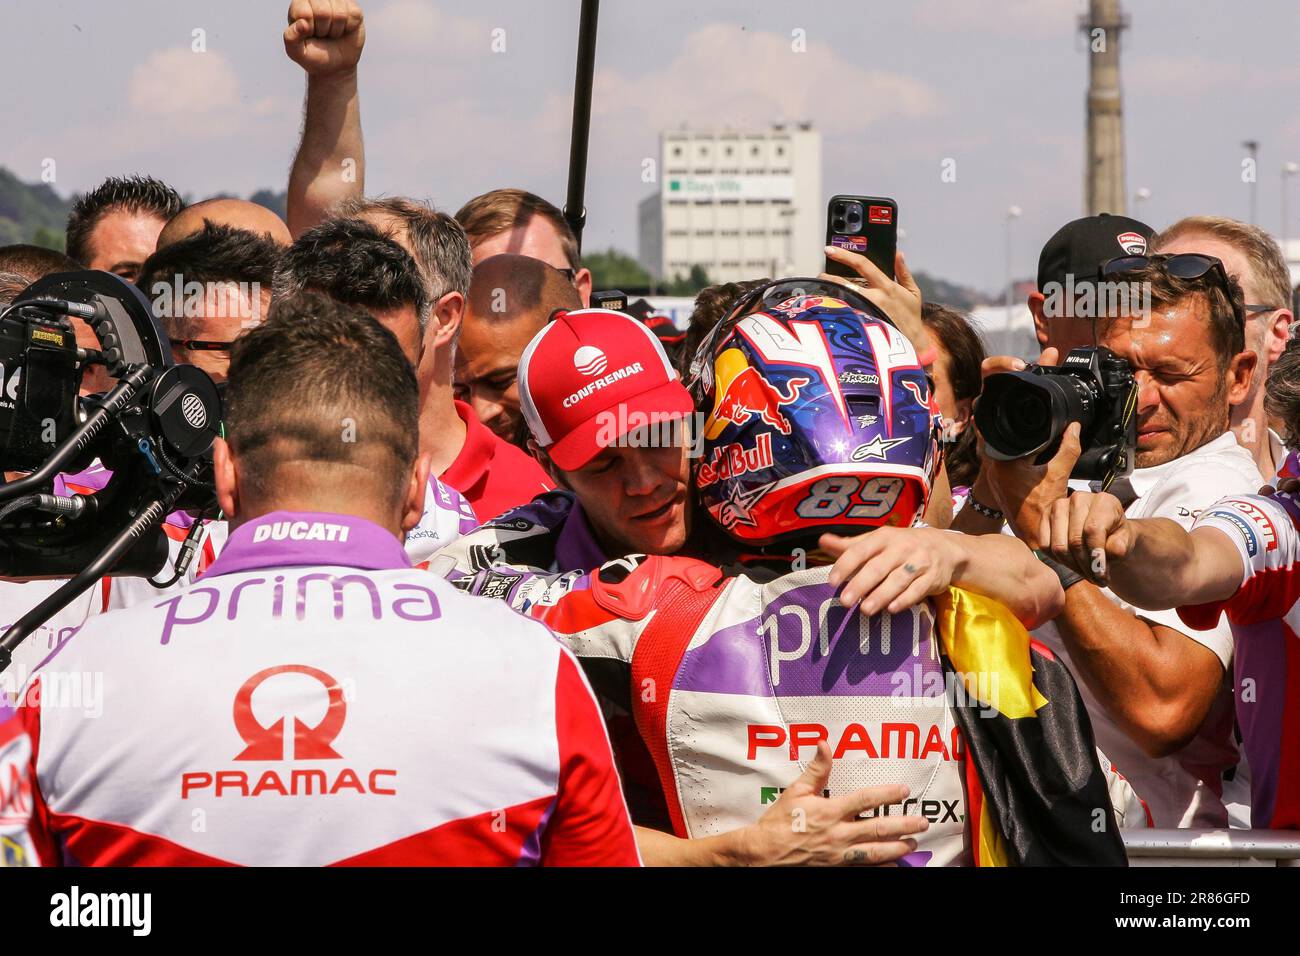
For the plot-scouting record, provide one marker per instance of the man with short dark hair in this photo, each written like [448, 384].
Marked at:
[511, 298]
[354, 263]
[115, 226]
[444, 757]
[207, 288]
[1154, 687]
[1253, 258]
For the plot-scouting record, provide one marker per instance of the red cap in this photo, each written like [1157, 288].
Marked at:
[590, 377]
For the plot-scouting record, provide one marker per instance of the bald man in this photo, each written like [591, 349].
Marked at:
[236, 213]
[510, 298]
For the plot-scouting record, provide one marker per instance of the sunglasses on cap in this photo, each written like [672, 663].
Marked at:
[1184, 265]
[761, 299]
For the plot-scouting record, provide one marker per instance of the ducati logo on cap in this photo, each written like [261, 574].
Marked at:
[1134, 243]
[589, 360]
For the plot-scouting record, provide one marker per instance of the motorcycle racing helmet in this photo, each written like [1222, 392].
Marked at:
[818, 417]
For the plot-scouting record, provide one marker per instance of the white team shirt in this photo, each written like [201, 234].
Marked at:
[1184, 789]
[447, 516]
[313, 699]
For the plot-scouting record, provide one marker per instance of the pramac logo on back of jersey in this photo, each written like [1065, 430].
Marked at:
[290, 741]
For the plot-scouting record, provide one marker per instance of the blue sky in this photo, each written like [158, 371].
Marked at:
[897, 88]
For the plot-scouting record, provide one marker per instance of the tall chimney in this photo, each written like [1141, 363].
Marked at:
[1104, 161]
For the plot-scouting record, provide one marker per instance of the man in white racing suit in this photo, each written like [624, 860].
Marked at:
[739, 678]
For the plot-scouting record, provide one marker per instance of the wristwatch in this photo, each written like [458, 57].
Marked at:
[1067, 576]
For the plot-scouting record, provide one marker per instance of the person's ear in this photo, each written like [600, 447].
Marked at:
[1278, 334]
[444, 323]
[964, 410]
[1036, 300]
[582, 282]
[226, 478]
[417, 485]
[1240, 371]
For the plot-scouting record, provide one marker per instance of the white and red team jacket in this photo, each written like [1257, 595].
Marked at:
[447, 516]
[312, 700]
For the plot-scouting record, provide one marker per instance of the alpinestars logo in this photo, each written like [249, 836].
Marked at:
[737, 506]
[590, 360]
[273, 742]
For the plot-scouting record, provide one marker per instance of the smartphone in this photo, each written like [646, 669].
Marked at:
[864, 224]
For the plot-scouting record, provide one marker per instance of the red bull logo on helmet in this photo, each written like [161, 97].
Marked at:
[734, 460]
[742, 393]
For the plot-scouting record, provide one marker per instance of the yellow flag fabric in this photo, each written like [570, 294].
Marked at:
[1033, 782]
[986, 643]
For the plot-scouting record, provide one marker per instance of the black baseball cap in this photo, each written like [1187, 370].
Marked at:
[1080, 248]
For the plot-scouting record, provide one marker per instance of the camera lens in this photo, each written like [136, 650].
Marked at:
[1021, 414]
[1026, 413]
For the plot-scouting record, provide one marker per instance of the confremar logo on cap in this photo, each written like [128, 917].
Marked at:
[590, 360]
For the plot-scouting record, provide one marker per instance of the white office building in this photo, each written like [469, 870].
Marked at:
[741, 204]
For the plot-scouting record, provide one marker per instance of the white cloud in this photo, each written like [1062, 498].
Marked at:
[751, 78]
[180, 82]
[417, 26]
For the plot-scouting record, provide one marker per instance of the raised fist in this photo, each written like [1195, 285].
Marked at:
[325, 36]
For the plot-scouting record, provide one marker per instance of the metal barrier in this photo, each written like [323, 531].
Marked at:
[1212, 847]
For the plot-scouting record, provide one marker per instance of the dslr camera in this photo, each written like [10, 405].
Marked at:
[1025, 414]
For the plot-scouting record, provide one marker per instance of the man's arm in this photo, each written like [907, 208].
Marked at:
[1150, 562]
[829, 831]
[1156, 682]
[890, 569]
[984, 489]
[325, 38]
